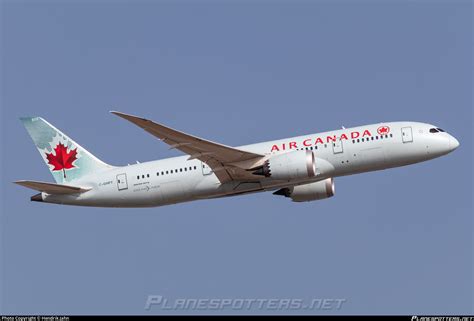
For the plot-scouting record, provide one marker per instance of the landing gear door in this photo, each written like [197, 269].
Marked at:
[122, 182]
[206, 170]
[337, 147]
[407, 135]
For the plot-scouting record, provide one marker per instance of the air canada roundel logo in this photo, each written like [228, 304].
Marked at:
[383, 130]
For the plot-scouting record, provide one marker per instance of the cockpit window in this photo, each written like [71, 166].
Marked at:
[433, 130]
[440, 130]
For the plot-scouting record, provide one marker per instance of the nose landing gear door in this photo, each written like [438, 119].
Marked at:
[122, 182]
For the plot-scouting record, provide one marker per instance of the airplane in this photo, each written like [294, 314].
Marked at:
[301, 168]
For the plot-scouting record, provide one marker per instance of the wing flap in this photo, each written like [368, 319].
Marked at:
[52, 188]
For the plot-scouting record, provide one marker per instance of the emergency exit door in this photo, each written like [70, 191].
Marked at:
[206, 170]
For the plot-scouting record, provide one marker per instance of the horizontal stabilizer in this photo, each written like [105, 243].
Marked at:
[52, 188]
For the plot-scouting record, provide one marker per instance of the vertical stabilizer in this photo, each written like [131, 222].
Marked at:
[66, 160]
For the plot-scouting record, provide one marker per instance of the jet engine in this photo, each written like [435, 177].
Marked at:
[295, 165]
[309, 192]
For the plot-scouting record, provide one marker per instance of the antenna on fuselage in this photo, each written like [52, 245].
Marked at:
[343, 127]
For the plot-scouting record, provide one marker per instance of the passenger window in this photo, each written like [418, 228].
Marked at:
[195, 167]
[138, 177]
[358, 140]
[148, 175]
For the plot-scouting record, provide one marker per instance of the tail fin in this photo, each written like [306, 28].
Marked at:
[66, 160]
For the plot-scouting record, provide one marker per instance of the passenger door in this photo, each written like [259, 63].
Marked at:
[407, 135]
[337, 147]
[122, 182]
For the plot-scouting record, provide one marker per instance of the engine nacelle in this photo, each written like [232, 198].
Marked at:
[289, 166]
[309, 192]
[294, 166]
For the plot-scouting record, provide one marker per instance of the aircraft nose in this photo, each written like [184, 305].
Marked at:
[453, 143]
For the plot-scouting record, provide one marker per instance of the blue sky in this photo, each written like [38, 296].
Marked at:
[238, 72]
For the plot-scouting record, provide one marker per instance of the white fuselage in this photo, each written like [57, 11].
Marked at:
[348, 151]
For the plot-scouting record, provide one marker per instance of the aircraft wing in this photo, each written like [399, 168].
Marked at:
[219, 157]
[52, 188]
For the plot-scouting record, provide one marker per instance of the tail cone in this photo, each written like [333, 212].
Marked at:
[37, 198]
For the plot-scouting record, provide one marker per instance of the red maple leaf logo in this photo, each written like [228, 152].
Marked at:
[63, 159]
[383, 130]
